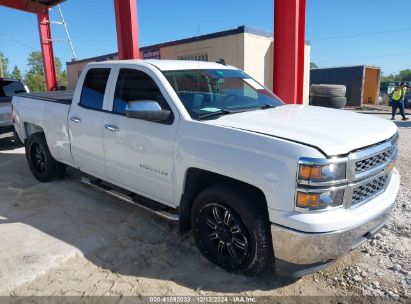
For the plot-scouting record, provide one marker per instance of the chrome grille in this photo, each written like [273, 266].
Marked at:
[374, 161]
[365, 191]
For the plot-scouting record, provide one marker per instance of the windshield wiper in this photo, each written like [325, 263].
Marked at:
[226, 112]
[216, 113]
[267, 106]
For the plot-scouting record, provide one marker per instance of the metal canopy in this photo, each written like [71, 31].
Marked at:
[41, 9]
[49, 3]
[289, 33]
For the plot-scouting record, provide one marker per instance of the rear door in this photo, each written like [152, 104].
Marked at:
[139, 153]
[86, 122]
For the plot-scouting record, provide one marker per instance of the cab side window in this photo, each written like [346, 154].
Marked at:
[134, 85]
[92, 93]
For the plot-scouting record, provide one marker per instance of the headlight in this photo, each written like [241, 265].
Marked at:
[320, 200]
[320, 183]
[332, 172]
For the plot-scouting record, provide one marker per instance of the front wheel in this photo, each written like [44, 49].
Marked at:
[231, 229]
[41, 163]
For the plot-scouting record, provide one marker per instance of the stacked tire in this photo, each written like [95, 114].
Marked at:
[328, 95]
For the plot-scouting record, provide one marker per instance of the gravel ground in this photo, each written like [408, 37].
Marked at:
[121, 251]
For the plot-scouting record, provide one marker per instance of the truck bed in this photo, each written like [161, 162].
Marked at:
[64, 97]
[48, 111]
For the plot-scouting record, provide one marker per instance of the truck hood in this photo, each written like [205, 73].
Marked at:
[334, 132]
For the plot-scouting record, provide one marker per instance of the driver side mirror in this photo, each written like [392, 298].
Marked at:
[147, 110]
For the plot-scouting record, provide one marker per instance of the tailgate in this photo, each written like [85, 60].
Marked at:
[5, 112]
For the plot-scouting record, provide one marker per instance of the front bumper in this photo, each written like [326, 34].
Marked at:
[299, 253]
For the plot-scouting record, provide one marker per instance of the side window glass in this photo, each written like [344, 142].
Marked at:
[134, 85]
[92, 93]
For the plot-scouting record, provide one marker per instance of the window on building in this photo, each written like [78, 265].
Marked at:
[134, 85]
[92, 93]
[196, 57]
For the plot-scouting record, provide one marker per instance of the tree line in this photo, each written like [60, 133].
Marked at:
[34, 77]
[403, 75]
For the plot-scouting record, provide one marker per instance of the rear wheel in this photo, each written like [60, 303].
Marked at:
[41, 163]
[231, 229]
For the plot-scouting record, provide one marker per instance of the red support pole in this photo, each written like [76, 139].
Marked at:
[289, 44]
[47, 49]
[127, 29]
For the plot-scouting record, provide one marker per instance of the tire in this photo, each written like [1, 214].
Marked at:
[329, 102]
[231, 229]
[328, 90]
[42, 165]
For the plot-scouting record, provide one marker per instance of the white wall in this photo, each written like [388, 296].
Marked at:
[258, 61]
[258, 58]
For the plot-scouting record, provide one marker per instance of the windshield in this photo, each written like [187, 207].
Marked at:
[204, 92]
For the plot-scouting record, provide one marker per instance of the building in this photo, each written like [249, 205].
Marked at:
[362, 82]
[247, 48]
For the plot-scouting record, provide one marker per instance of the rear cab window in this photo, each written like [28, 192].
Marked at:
[94, 87]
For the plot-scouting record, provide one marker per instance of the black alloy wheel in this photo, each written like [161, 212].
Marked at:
[226, 236]
[39, 158]
[231, 228]
[41, 163]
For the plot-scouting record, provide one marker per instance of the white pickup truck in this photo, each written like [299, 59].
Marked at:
[259, 183]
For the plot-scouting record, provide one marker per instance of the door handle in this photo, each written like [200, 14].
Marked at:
[75, 119]
[112, 128]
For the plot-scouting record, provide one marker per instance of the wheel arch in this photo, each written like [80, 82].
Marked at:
[30, 129]
[197, 180]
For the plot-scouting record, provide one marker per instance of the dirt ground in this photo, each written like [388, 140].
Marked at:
[62, 238]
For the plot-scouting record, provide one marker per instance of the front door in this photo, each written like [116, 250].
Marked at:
[139, 154]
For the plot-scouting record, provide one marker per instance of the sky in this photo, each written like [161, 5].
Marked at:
[341, 32]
